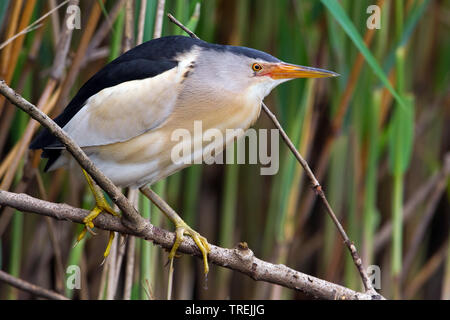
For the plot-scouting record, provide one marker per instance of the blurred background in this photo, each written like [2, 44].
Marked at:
[380, 157]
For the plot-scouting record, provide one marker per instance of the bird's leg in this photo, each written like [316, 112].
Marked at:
[181, 228]
[100, 205]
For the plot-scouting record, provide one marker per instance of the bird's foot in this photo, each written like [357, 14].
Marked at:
[183, 229]
[101, 206]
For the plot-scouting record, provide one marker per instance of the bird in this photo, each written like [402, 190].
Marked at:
[123, 117]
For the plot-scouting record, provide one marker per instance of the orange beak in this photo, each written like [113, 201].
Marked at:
[283, 70]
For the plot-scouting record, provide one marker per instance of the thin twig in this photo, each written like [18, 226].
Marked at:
[318, 189]
[29, 287]
[179, 24]
[21, 33]
[31, 27]
[239, 259]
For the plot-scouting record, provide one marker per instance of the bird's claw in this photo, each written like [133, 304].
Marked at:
[89, 225]
[89, 228]
[202, 243]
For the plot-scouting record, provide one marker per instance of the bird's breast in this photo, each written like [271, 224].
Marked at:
[150, 156]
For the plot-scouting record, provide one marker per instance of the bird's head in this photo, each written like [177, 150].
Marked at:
[240, 69]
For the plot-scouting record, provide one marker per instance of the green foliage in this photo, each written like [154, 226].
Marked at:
[345, 22]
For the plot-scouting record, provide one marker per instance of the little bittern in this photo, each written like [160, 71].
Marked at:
[124, 116]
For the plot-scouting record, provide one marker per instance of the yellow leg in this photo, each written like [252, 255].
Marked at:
[183, 229]
[100, 205]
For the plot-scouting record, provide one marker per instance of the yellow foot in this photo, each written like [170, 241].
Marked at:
[183, 229]
[101, 205]
[89, 224]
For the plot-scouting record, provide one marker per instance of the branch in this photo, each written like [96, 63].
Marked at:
[318, 189]
[239, 259]
[181, 26]
[29, 287]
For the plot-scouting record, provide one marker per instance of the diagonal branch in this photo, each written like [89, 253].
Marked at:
[318, 189]
[239, 259]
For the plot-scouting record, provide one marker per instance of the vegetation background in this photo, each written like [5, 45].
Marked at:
[381, 158]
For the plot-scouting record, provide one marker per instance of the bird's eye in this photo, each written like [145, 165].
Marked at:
[256, 67]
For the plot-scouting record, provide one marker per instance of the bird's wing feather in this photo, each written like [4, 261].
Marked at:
[127, 110]
[118, 74]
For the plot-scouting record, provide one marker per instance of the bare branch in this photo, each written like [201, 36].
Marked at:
[318, 189]
[239, 259]
[179, 24]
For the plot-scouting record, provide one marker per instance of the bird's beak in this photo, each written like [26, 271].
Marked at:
[283, 70]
